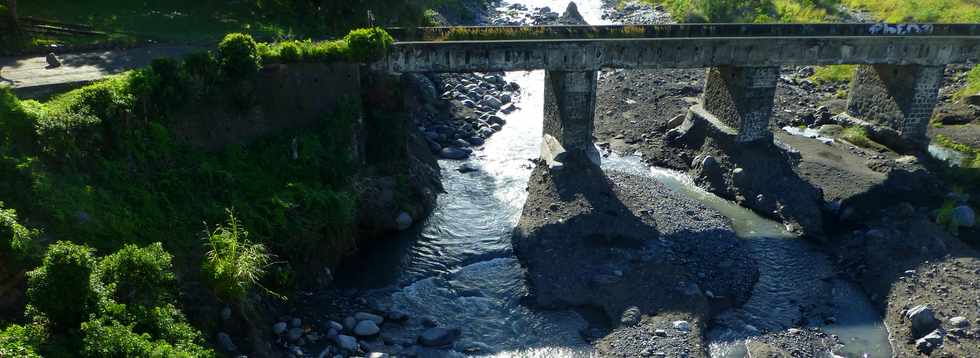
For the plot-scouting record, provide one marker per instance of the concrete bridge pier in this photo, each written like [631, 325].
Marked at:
[741, 98]
[898, 97]
[569, 115]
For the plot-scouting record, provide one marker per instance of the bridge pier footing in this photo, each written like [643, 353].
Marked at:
[899, 97]
[742, 98]
[569, 115]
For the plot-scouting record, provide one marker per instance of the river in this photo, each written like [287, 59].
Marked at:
[458, 265]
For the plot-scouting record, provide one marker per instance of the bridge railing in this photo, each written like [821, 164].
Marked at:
[578, 32]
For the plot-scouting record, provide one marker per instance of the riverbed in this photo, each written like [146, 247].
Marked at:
[458, 267]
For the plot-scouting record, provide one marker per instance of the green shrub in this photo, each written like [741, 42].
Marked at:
[112, 339]
[138, 275]
[65, 273]
[18, 341]
[368, 45]
[858, 136]
[16, 120]
[289, 52]
[833, 73]
[239, 56]
[15, 238]
[233, 264]
[202, 71]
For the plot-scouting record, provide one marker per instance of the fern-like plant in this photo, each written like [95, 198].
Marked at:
[233, 264]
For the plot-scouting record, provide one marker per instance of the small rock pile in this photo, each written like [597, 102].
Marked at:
[361, 335]
[475, 102]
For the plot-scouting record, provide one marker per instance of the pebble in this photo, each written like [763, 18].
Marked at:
[364, 316]
[295, 322]
[279, 328]
[959, 321]
[295, 334]
[335, 325]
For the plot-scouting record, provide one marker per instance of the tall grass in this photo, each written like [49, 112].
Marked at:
[233, 264]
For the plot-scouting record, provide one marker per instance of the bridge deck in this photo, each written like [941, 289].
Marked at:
[587, 48]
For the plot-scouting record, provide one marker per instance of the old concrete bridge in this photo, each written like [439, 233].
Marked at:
[897, 87]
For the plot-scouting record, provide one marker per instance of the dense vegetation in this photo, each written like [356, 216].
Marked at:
[101, 170]
[126, 23]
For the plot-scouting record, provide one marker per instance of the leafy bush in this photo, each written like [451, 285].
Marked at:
[14, 237]
[239, 56]
[65, 272]
[16, 120]
[110, 339]
[368, 45]
[18, 341]
[290, 52]
[233, 264]
[138, 275]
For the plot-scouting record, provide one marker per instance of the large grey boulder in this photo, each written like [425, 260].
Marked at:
[453, 153]
[347, 343]
[366, 328]
[572, 16]
[922, 319]
[964, 216]
[279, 328]
[226, 342]
[439, 336]
[53, 60]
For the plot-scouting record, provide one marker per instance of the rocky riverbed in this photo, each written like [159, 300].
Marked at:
[653, 272]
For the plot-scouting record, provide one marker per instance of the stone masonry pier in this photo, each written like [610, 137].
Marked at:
[897, 86]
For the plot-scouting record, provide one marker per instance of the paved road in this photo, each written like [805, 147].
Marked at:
[32, 77]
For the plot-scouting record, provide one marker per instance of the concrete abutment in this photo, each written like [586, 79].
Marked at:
[569, 114]
[742, 99]
[899, 97]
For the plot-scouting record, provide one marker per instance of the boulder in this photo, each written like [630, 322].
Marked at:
[963, 216]
[347, 343]
[403, 222]
[226, 342]
[683, 326]
[53, 60]
[366, 328]
[492, 102]
[922, 319]
[364, 316]
[959, 322]
[453, 153]
[929, 342]
[295, 334]
[279, 328]
[572, 16]
[439, 336]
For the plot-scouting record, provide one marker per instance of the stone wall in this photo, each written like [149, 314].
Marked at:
[569, 108]
[901, 98]
[281, 98]
[742, 98]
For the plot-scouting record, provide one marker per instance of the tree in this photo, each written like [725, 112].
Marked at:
[12, 11]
